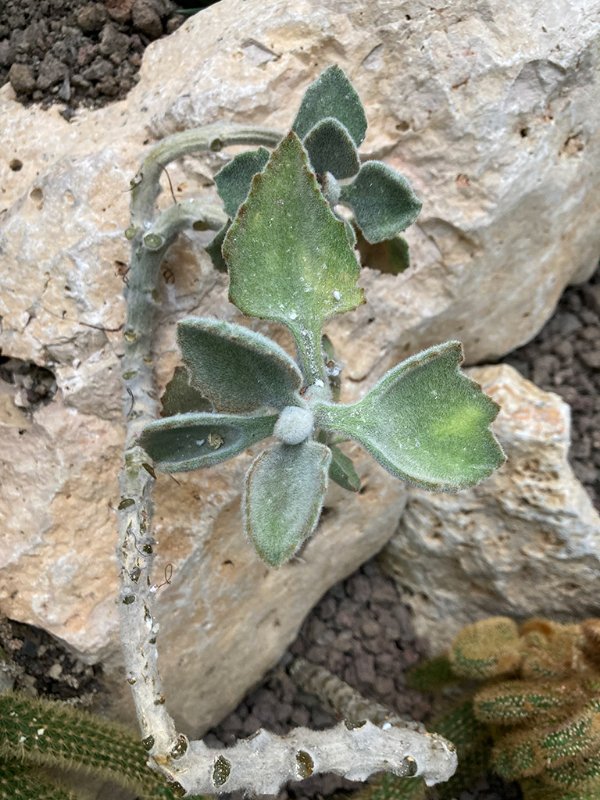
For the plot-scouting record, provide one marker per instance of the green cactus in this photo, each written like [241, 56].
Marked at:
[36, 734]
[536, 719]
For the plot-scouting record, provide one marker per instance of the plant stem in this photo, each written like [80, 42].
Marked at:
[146, 184]
[135, 507]
[310, 358]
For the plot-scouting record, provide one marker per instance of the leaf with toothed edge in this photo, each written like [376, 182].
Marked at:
[331, 95]
[425, 422]
[383, 201]
[234, 179]
[289, 257]
[196, 440]
[283, 496]
[235, 368]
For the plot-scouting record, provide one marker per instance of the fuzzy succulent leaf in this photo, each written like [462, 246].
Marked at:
[234, 179]
[192, 441]
[214, 249]
[235, 368]
[425, 422]
[341, 470]
[383, 201]
[284, 492]
[390, 256]
[331, 95]
[289, 257]
[331, 149]
[180, 398]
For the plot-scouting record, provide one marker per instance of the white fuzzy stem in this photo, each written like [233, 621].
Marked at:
[264, 762]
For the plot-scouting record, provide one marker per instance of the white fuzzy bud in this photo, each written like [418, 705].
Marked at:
[294, 425]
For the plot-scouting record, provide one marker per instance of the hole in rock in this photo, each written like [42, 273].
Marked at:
[15, 164]
[37, 196]
[36, 386]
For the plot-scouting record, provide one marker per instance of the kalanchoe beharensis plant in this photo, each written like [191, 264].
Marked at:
[291, 259]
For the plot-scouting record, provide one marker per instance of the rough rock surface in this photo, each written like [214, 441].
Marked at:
[565, 358]
[524, 543]
[493, 123]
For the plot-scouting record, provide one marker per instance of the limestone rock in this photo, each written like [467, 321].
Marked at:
[493, 115]
[524, 543]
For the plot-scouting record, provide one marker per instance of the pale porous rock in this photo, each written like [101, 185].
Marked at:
[490, 109]
[526, 542]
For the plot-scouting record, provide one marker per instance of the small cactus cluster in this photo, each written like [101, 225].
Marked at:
[535, 719]
[541, 701]
[38, 734]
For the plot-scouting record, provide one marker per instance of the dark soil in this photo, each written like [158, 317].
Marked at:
[75, 53]
[42, 666]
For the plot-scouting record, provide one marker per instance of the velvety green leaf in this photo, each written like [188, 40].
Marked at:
[234, 179]
[284, 492]
[179, 397]
[382, 200]
[288, 255]
[390, 256]
[331, 95]
[191, 441]
[425, 422]
[341, 470]
[331, 149]
[236, 368]
[214, 249]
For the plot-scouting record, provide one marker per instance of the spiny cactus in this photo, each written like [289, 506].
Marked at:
[36, 733]
[536, 719]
